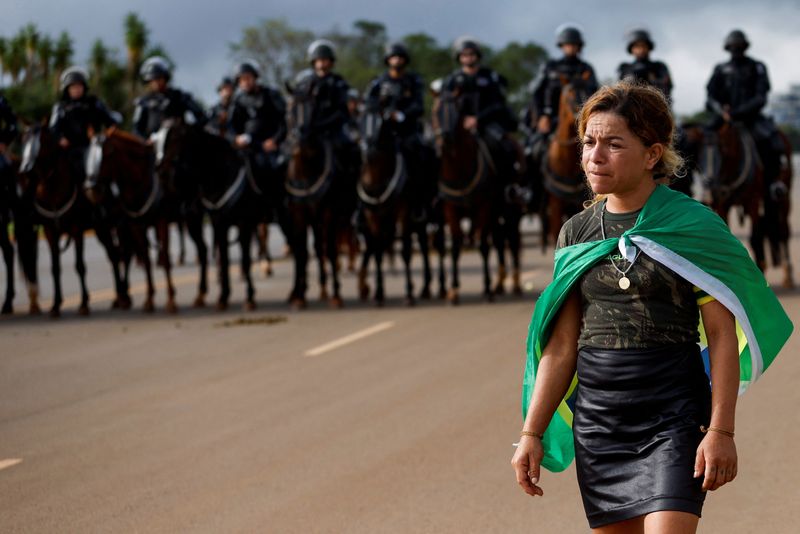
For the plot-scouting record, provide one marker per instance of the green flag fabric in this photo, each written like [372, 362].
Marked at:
[694, 242]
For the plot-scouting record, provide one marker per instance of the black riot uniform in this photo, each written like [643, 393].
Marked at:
[554, 75]
[155, 107]
[403, 95]
[8, 132]
[654, 73]
[740, 87]
[261, 115]
[219, 115]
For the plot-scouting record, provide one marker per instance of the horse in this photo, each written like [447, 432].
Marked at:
[317, 199]
[563, 179]
[59, 204]
[732, 176]
[777, 206]
[467, 186]
[180, 167]
[8, 192]
[384, 192]
[123, 163]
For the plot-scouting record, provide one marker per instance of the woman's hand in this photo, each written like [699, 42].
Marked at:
[716, 461]
[526, 462]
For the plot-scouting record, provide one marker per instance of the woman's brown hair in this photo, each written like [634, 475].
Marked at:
[648, 116]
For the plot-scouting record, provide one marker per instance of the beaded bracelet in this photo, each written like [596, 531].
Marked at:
[531, 434]
[705, 429]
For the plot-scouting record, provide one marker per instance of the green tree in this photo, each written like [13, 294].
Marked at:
[62, 55]
[279, 48]
[136, 36]
[30, 36]
[15, 58]
[45, 53]
[3, 54]
[360, 55]
[518, 63]
[98, 61]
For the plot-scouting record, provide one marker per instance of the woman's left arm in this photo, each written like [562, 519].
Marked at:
[716, 456]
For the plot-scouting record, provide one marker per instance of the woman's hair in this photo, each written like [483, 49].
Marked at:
[647, 114]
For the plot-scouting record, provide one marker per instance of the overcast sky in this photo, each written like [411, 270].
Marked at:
[688, 33]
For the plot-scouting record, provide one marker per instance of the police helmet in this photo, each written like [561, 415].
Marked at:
[569, 34]
[155, 67]
[464, 43]
[396, 49]
[226, 81]
[249, 66]
[74, 75]
[353, 94]
[736, 40]
[321, 49]
[639, 36]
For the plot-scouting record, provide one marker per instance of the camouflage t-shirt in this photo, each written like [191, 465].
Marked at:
[659, 308]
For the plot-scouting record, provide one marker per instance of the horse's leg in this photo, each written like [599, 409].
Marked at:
[406, 252]
[103, 234]
[55, 269]
[380, 247]
[8, 257]
[262, 235]
[299, 246]
[457, 238]
[515, 246]
[194, 225]
[499, 238]
[221, 240]
[25, 234]
[80, 268]
[330, 231]
[142, 245]
[441, 248]
[757, 236]
[162, 230]
[321, 249]
[245, 240]
[363, 285]
[555, 218]
[422, 239]
[485, 220]
[181, 242]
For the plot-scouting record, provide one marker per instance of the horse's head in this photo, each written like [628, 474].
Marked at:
[39, 150]
[301, 106]
[573, 95]
[96, 181]
[31, 146]
[447, 117]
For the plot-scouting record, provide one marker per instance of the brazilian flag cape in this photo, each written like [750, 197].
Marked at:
[694, 242]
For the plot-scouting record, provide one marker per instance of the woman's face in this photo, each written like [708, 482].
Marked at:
[614, 159]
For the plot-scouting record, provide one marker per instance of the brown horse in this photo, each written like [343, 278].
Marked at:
[124, 160]
[732, 176]
[777, 207]
[467, 186]
[563, 180]
[59, 204]
[384, 192]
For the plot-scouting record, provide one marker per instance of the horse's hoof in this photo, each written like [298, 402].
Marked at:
[83, 311]
[199, 302]
[34, 309]
[116, 304]
[517, 291]
[337, 303]
[453, 297]
[8, 309]
[379, 302]
[488, 296]
[425, 294]
[222, 305]
[500, 289]
[249, 305]
[442, 294]
[172, 307]
[363, 292]
[148, 307]
[410, 302]
[55, 313]
[297, 303]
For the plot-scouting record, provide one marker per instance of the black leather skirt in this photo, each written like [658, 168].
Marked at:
[637, 427]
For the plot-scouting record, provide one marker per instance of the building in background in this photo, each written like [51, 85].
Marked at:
[785, 107]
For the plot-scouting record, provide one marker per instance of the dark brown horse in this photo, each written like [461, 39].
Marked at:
[563, 179]
[467, 186]
[732, 176]
[122, 162]
[383, 189]
[777, 208]
[8, 194]
[59, 204]
[317, 198]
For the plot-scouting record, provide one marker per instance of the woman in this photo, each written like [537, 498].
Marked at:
[634, 276]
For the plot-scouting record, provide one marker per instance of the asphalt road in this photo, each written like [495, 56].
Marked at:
[361, 420]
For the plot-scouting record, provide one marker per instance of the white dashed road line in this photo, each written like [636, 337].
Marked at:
[352, 338]
[10, 462]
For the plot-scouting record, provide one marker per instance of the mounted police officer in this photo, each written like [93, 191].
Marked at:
[737, 92]
[258, 119]
[482, 93]
[75, 112]
[329, 94]
[219, 115]
[162, 101]
[555, 74]
[642, 69]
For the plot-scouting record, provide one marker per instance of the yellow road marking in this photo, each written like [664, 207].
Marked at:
[352, 338]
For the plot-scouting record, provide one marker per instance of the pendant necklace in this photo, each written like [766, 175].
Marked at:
[624, 282]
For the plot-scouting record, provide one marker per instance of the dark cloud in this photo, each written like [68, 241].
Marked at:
[688, 34]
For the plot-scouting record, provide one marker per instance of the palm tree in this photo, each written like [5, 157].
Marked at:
[136, 34]
[3, 55]
[30, 35]
[45, 53]
[98, 60]
[15, 57]
[62, 55]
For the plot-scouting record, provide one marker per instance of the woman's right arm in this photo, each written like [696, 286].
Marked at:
[553, 378]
